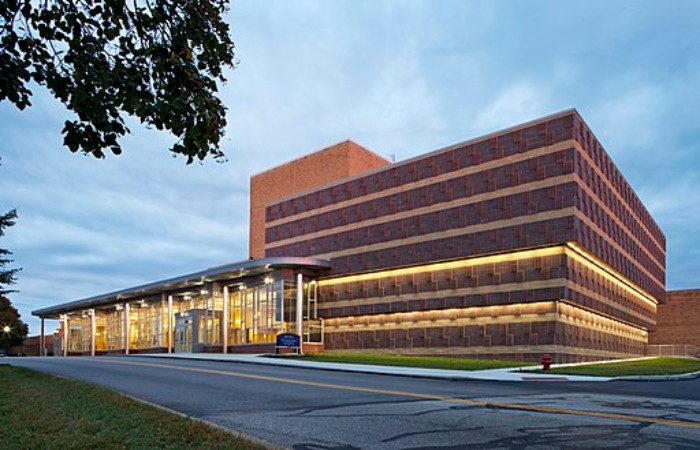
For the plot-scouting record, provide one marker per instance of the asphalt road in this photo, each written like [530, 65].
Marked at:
[315, 409]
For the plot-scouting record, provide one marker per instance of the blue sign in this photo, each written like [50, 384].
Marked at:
[288, 340]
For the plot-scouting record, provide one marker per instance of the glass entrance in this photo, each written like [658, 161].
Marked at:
[183, 332]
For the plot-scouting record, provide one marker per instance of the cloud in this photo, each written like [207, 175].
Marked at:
[399, 77]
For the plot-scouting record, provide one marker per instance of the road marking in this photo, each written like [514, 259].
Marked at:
[488, 404]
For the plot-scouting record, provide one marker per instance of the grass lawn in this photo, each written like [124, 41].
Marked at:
[431, 362]
[43, 411]
[656, 366]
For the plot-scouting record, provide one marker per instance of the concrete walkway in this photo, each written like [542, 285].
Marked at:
[508, 374]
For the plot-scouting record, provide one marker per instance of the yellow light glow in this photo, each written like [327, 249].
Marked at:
[608, 272]
[571, 249]
[475, 261]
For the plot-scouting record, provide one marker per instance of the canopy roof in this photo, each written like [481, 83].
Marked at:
[231, 271]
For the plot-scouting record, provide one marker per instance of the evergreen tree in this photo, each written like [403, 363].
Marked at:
[12, 329]
[7, 276]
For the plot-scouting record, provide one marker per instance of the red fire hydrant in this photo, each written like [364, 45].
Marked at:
[546, 361]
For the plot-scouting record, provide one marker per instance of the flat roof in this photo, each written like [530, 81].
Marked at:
[224, 272]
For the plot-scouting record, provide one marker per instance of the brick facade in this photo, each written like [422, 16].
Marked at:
[678, 320]
[316, 169]
[545, 185]
[541, 184]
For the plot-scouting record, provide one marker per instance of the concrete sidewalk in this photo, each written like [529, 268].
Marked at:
[508, 374]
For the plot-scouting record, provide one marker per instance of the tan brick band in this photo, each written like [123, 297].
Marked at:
[614, 217]
[541, 151]
[560, 213]
[583, 218]
[490, 315]
[617, 194]
[488, 289]
[527, 187]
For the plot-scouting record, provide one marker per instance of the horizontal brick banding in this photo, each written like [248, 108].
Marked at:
[523, 326]
[472, 188]
[613, 177]
[600, 246]
[610, 201]
[497, 211]
[531, 234]
[527, 280]
[472, 154]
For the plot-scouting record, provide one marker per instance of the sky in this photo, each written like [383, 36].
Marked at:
[399, 77]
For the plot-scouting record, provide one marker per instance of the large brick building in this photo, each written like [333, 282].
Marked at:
[524, 241]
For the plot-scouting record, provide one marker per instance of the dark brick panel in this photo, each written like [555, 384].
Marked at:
[521, 335]
[599, 246]
[528, 333]
[518, 205]
[457, 301]
[497, 147]
[605, 195]
[592, 146]
[617, 234]
[535, 234]
[534, 169]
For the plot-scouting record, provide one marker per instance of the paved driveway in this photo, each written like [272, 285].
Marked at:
[313, 409]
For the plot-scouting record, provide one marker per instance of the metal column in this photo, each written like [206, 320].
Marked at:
[42, 340]
[225, 322]
[92, 332]
[126, 328]
[170, 323]
[300, 307]
[65, 335]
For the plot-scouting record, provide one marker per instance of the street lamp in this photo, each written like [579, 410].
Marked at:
[6, 329]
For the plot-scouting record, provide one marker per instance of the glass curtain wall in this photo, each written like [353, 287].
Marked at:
[114, 327]
[147, 324]
[257, 314]
[100, 331]
[79, 333]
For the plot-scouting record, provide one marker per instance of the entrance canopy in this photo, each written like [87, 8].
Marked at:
[227, 272]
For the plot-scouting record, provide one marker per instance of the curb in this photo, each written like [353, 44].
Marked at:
[329, 369]
[524, 376]
[679, 377]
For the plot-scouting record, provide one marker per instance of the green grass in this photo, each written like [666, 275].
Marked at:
[47, 412]
[431, 362]
[656, 366]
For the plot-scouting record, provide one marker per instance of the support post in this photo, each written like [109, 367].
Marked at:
[300, 306]
[42, 340]
[92, 332]
[126, 328]
[65, 335]
[170, 323]
[224, 331]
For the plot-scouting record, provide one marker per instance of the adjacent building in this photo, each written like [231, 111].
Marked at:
[678, 325]
[521, 242]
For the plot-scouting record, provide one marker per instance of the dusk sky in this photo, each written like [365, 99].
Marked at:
[397, 77]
